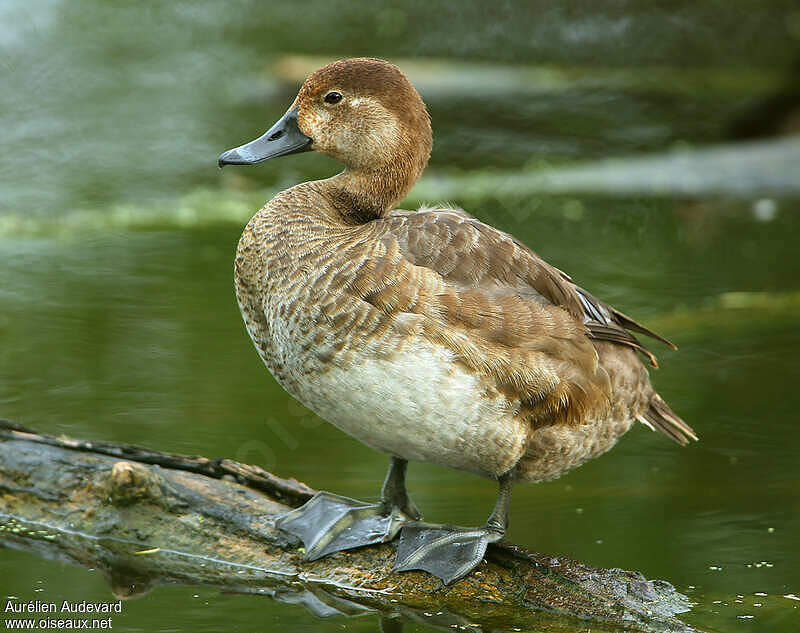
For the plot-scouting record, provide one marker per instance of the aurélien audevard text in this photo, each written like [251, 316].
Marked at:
[80, 614]
[67, 606]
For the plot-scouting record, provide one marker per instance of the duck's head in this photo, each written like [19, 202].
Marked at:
[362, 112]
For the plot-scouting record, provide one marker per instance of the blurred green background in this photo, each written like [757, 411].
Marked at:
[117, 233]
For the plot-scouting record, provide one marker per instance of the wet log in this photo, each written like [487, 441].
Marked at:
[145, 518]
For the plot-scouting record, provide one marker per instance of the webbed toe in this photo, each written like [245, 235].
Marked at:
[446, 551]
[330, 523]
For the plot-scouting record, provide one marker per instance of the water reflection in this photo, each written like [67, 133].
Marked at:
[365, 609]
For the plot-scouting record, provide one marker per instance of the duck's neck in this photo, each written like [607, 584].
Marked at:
[361, 195]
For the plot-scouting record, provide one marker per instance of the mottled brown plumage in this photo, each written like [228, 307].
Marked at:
[349, 302]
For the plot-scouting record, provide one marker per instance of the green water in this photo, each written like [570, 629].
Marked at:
[117, 233]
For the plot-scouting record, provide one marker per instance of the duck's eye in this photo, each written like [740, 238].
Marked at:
[333, 97]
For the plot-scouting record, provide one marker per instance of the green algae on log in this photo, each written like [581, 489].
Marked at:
[146, 518]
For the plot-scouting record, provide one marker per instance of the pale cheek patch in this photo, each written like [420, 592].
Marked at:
[362, 135]
[373, 137]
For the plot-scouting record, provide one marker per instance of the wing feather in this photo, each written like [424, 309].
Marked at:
[516, 320]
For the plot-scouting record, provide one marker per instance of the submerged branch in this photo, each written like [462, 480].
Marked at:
[146, 518]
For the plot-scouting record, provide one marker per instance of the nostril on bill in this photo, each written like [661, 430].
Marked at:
[276, 136]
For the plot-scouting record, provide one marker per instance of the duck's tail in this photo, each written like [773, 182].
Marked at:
[659, 417]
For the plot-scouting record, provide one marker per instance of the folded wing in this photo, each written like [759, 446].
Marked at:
[521, 323]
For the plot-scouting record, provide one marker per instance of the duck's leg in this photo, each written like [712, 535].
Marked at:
[450, 552]
[330, 523]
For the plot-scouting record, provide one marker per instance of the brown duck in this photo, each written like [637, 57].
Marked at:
[428, 335]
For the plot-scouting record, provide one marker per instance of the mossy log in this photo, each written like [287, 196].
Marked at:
[145, 518]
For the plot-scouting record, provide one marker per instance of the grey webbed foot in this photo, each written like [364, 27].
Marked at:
[446, 551]
[449, 552]
[329, 523]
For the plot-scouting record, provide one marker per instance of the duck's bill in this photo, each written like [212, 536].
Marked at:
[281, 139]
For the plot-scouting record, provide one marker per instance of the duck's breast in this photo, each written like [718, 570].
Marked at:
[419, 404]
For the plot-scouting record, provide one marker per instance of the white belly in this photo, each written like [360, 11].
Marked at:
[421, 406]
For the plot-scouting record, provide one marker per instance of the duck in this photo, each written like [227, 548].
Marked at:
[428, 335]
